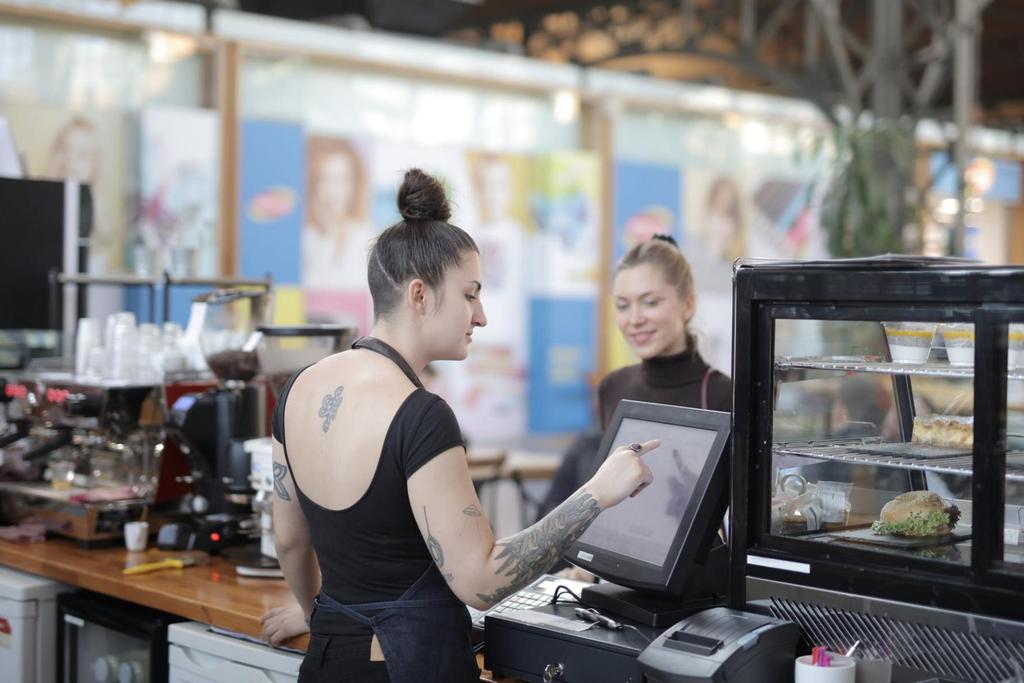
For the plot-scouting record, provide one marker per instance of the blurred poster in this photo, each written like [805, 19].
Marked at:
[351, 308]
[272, 176]
[785, 217]
[487, 392]
[562, 357]
[176, 224]
[337, 234]
[87, 146]
[499, 223]
[388, 167]
[289, 306]
[564, 252]
[10, 162]
[716, 215]
[647, 203]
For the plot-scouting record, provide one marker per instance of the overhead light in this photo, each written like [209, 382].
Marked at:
[566, 104]
[169, 48]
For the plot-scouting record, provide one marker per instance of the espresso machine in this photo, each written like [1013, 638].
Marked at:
[211, 426]
[81, 457]
[282, 351]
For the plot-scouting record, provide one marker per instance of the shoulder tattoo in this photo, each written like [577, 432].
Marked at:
[329, 407]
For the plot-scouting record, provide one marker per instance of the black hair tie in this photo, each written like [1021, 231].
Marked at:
[667, 238]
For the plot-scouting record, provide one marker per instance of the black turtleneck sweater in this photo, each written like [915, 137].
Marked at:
[675, 380]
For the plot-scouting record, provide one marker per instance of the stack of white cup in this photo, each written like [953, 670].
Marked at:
[87, 339]
[122, 346]
[128, 352]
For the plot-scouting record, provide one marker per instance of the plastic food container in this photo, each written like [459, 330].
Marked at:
[959, 338]
[910, 342]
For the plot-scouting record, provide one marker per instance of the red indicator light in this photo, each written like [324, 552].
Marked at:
[215, 537]
[57, 395]
[19, 391]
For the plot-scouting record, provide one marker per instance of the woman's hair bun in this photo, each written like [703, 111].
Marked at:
[422, 198]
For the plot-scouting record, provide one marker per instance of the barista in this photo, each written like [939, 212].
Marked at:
[378, 529]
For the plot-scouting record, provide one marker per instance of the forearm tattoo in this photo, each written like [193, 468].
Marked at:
[280, 472]
[434, 546]
[533, 551]
[329, 407]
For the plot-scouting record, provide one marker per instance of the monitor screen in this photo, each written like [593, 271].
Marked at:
[644, 527]
[657, 539]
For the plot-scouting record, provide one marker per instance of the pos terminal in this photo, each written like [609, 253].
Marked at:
[664, 566]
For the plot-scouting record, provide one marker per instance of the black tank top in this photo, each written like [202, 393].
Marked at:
[373, 551]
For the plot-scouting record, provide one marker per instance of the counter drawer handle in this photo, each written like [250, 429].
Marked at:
[553, 671]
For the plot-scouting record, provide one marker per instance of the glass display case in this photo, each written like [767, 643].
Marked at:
[878, 437]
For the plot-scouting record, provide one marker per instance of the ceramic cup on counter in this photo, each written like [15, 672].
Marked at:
[959, 339]
[136, 535]
[841, 670]
[909, 342]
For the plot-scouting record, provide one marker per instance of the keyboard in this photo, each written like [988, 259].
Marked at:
[536, 594]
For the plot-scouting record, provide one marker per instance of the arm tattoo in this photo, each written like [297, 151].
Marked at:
[432, 543]
[280, 472]
[472, 511]
[533, 551]
[329, 407]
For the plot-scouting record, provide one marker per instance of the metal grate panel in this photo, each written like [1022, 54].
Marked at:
[967, 656]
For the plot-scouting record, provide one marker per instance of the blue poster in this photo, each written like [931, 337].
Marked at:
[272, 177]
[647, 203]
[563, 334]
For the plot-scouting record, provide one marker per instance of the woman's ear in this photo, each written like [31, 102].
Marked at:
[416, 295]
[689, 306]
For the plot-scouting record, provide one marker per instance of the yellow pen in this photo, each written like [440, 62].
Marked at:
[169, 563]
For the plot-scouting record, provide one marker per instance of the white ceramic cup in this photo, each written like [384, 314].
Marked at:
[136, 535]
[87, 338]
[842, 670]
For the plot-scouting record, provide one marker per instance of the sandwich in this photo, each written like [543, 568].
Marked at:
[917, 513]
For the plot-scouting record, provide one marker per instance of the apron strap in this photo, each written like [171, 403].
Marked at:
[377, 346]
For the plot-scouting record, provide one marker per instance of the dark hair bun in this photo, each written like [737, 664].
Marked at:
[422, 198]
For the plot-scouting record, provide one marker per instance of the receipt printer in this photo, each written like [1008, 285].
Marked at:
[725, 646]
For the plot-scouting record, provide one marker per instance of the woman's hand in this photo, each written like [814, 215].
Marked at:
[623, 474]
[283, 623]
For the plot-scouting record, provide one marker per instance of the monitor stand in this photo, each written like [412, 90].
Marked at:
[705, 587]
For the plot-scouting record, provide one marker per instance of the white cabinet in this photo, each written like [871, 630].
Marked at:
[28, 627]
[197, 655]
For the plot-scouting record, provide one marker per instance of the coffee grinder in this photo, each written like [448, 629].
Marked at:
[283, 351]
[213, 425]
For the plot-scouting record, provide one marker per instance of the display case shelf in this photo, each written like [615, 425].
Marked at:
[873, 365]
[859, 453]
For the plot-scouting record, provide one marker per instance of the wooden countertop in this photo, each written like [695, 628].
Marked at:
[213, 593]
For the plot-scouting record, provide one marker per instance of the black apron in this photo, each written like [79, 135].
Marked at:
[424, 634]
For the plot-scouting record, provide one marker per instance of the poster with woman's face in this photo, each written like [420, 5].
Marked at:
[717, 213]
[87, 146]
[337, 231]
